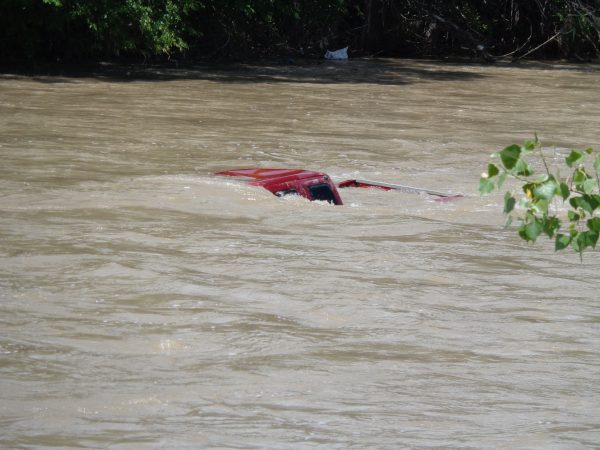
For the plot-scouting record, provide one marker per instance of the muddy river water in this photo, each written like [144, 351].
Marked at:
[146, 304]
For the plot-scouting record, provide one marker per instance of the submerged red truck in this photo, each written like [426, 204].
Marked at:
[316, 185]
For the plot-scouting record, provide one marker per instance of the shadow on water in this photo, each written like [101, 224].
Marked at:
[356, 71]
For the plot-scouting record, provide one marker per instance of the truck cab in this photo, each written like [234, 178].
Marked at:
[281, 182]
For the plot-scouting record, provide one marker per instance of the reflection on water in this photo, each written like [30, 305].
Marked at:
[147, 304]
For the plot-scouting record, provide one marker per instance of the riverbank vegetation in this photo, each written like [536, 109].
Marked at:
[77, 30]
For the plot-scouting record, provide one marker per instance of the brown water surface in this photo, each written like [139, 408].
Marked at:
[145, 303]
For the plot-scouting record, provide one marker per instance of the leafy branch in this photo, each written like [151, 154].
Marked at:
[536, 205]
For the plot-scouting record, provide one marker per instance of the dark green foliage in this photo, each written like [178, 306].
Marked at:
[241, 28]
[74, 29]
[33, 30]
[510, 156]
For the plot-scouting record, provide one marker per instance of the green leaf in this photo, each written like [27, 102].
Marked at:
[573, 230]
[551, 225]
[575, 242]
[510, 155]
[565, 192]
[485, 186]
[573, 158]
[581, 202]
[591, 238]
[594, 224]
[522, 168]
[589, 150]
[593, 200]
[529, 146]
[573, 216]
[531, 231]
[492, 170]
[584, 240]
[501, 179]
[541, 205]
[562, 241]
[509, 203]
[590, 185]
[579, 176]
[546, 190]
[597, 162]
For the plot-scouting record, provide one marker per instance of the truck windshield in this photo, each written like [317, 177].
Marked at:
[321, 192]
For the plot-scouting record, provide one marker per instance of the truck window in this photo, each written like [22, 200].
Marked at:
[286, 192]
